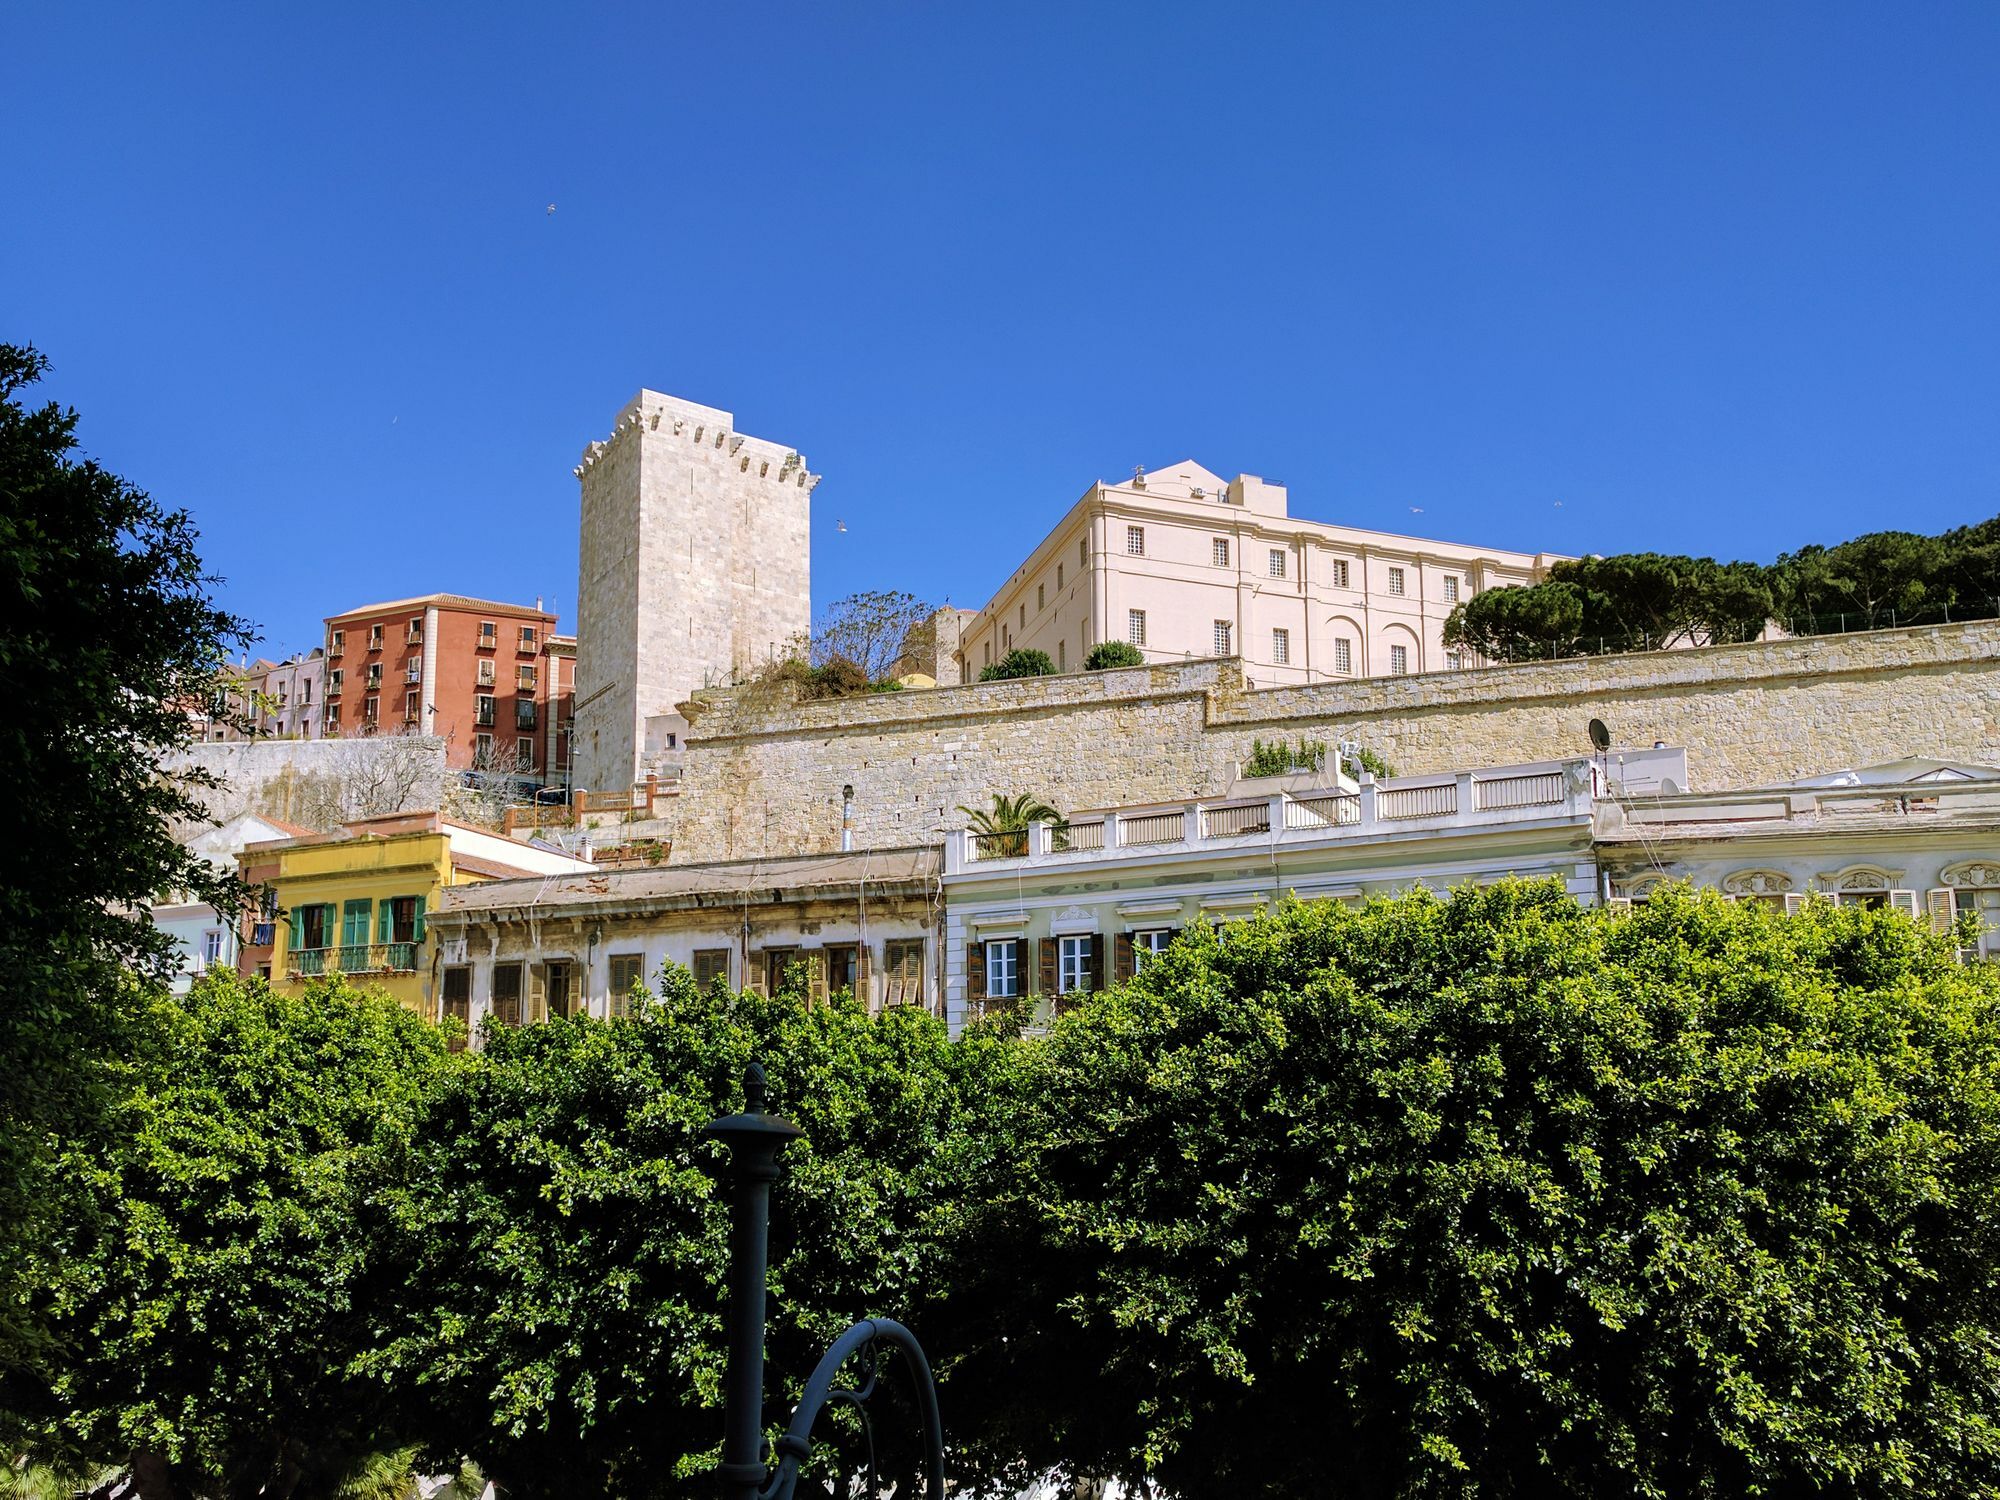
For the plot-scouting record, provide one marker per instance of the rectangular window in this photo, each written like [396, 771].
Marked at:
[1023, 622]
[1338, 573]
[843, 967]
[486, 673]
[1135, 626]
[1281, 647]
[1083, 551]
[482, 709]
[410, 707]
[1218, 552]
[507, 994]
[1277, 562]
[306, 690]
[211, 948]
[482, 747]
[1135, 541]
[985, 653]
[416, 629]
[333, 681]
[527, 637]
[1073, 964]
[374, 637]
[1343, 657]
[371, 709]
[339, 643]
[375, 675]
[1399, 661]
[778, 963]
[711, 966]
[455, 999]
[525, 679]
[1222, 633]
[1450, 589]
[524, 713]
[903, 971]
[1003, 968]
[1396, 581]
[1149, 945]
[1059, 576]
[524, 754]
[1041, 597]
[489, 635]
[1062, 656]
[1454, 659]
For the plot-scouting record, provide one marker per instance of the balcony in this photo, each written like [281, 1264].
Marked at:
[353, 958]
[1467, 802]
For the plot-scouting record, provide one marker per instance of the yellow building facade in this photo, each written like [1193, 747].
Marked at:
[357, 902]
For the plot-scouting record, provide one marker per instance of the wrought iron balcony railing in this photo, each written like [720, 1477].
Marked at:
[353, 958]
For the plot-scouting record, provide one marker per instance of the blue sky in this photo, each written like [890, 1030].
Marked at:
[1713, 278]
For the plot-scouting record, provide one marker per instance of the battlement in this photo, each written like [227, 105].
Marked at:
[651, 412]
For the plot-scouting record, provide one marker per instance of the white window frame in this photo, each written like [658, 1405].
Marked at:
[1224, 638]
[211, 948]
[1340, 574]
[1277, 562]
[1218, 551]
[1398, 587]
[1148, 944]
[1135, 626]
[1073, 963]
[1399, 661]
[1003, 968]
[1343, 656]
[1450, 586]
[1281, 645]
[1135, 541]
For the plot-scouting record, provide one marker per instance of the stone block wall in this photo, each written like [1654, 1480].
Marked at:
[765, 778]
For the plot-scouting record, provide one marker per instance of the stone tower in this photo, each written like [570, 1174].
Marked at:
[694, 568]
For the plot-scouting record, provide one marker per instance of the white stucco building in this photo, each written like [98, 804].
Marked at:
[1183, 563]
[1919, 835]
[206, 938]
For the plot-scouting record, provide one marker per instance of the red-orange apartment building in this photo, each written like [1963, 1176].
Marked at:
[480, 675]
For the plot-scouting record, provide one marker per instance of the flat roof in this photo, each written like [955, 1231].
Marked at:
[456, 601]
[796, 873]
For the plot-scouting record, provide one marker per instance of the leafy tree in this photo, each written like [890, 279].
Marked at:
[1518, 624]
[210, 1335]
[563, 1322]
[873, 631]
[1107, 654]
[113, 641]
[1020, 662]
[1499, 1196]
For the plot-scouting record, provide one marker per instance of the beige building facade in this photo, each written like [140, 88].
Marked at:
[1183, 564]
[694, 568]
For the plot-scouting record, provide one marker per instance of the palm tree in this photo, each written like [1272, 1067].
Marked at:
[1006, 822]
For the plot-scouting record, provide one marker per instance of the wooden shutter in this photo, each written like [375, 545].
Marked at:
[975, 974]
[1939, 903]
[1904, 902]
[1045, 949]
[298, 928]
[864, 968]
[816, 971]
[1122, 959]
[756, 984]
[538, 995]
[385, 919]
[1096, 965]
[417, 931]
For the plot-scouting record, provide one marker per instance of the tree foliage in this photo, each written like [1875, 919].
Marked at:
[1639, 601]
[874, 631]
[1496, 1195]
[1022, 661]
[111, 640]
[1108, 654]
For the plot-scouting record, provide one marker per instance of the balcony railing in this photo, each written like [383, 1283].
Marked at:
[1512, 794]
[353, 958]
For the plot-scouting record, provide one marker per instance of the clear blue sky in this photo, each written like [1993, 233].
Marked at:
[1717, 278]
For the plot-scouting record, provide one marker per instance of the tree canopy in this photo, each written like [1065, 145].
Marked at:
[1022, 661]
[1108, 654]
[1638, 601]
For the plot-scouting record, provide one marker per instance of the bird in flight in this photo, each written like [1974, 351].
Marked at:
[552, 208]
[1416, 510]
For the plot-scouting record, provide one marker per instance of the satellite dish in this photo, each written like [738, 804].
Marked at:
[1600, 737]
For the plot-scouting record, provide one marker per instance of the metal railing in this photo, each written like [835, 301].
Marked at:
[1540, 789]
[1000, 845]
[353, 958]
[1441, 800]
[1235, 819]
[1152, 828]
[1323, 810]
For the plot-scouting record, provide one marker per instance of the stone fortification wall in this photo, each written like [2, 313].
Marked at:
[765, 778]
[317, 782]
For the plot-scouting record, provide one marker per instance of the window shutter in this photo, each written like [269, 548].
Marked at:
[1096, 969]
[1045, 949]
[816, 970]
[975, 974]
[298, 928]
[417, 931]
[864, 976]
[1122, 957]
[1794, 902]
[538, 993]
[756, 974]
[1939, 903]
[1904, 902]
[385, 919]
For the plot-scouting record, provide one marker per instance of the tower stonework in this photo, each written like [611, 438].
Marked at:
[694, 568]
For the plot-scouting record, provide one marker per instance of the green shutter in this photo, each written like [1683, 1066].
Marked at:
[298, 928]
[354, 923]
[385, 920]
[417, 932]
